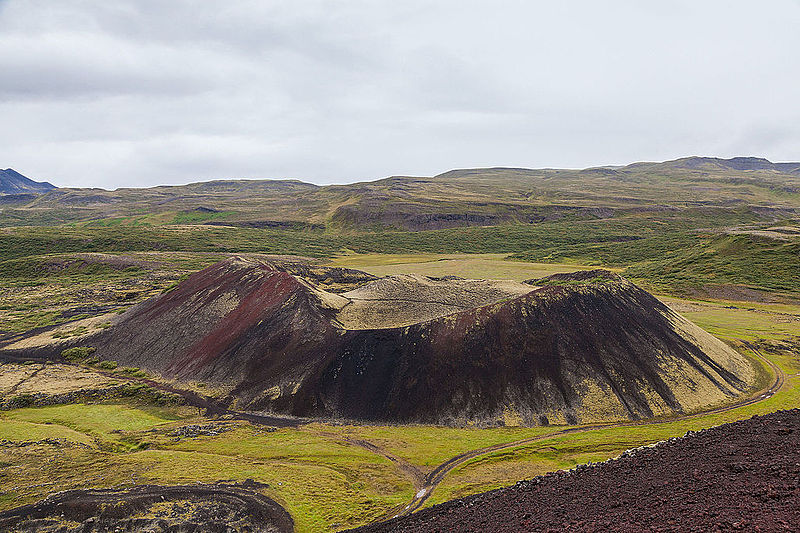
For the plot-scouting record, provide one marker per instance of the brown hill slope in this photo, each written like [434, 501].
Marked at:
[742, 476]
[458, 198]
[451, 352]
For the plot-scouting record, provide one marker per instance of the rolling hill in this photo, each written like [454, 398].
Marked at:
[470, 197]
[697, 225]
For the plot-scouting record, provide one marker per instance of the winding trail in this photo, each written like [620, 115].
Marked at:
[433, 478]
[410, 470]
[425, 484]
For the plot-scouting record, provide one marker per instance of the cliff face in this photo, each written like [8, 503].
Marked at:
[563, 350]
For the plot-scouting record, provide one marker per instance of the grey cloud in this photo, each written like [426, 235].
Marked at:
[121, 93]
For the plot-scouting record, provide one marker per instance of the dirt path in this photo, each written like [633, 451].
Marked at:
[416, 475]
[411, 471]
[426, 484]
[25, 379]
[435, 477]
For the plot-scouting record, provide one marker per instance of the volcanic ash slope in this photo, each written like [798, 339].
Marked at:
[572, 348]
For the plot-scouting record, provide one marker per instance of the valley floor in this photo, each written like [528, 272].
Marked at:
[741, 476]
[333, 476]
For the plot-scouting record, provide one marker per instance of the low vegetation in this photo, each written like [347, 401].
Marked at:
[689, 232]
[317, 471]
[679, 262]
[77, 353]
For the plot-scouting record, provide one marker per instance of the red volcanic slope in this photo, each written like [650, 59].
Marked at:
[213, 324]
[743, 476]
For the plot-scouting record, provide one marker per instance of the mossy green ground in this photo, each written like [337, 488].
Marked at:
[473, 266]
[325, 482]
[104, 423]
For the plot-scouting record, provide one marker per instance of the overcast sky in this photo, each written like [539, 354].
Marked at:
[108, 94]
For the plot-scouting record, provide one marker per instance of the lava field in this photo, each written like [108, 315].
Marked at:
[145, 508]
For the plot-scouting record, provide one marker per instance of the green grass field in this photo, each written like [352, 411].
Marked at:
[324, 481]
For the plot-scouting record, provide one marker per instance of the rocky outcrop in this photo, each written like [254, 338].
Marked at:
[91, 395]
[213, 507]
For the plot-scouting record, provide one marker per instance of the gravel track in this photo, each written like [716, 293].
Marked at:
[432, 479]
[742, 476]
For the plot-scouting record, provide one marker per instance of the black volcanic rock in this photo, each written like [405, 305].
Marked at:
[200, 507]
[413, 349]
[12, 182]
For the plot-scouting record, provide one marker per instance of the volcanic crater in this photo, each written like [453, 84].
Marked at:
[311, 341]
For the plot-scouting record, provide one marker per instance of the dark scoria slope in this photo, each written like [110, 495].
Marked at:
[743, 476]
[571, 351]
[150, 508]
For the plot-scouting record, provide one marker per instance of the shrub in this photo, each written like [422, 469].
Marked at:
[78, 353]
[131, 371]
[22, 400]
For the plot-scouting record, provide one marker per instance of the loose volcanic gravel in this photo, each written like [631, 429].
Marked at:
[742, 476]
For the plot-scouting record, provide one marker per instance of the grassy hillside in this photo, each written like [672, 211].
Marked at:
[680, 261]
[474, 197]
[706, 251]
[27, 241]
[696, 226]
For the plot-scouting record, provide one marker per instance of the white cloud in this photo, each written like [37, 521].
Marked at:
[113, 93]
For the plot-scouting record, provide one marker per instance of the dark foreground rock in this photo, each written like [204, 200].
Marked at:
[743, 476]
[152, 508]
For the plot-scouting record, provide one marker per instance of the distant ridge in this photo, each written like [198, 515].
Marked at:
[497, 196]
[735, 163]
[12, 182]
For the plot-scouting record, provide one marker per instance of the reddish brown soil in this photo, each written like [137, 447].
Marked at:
[743, 476]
